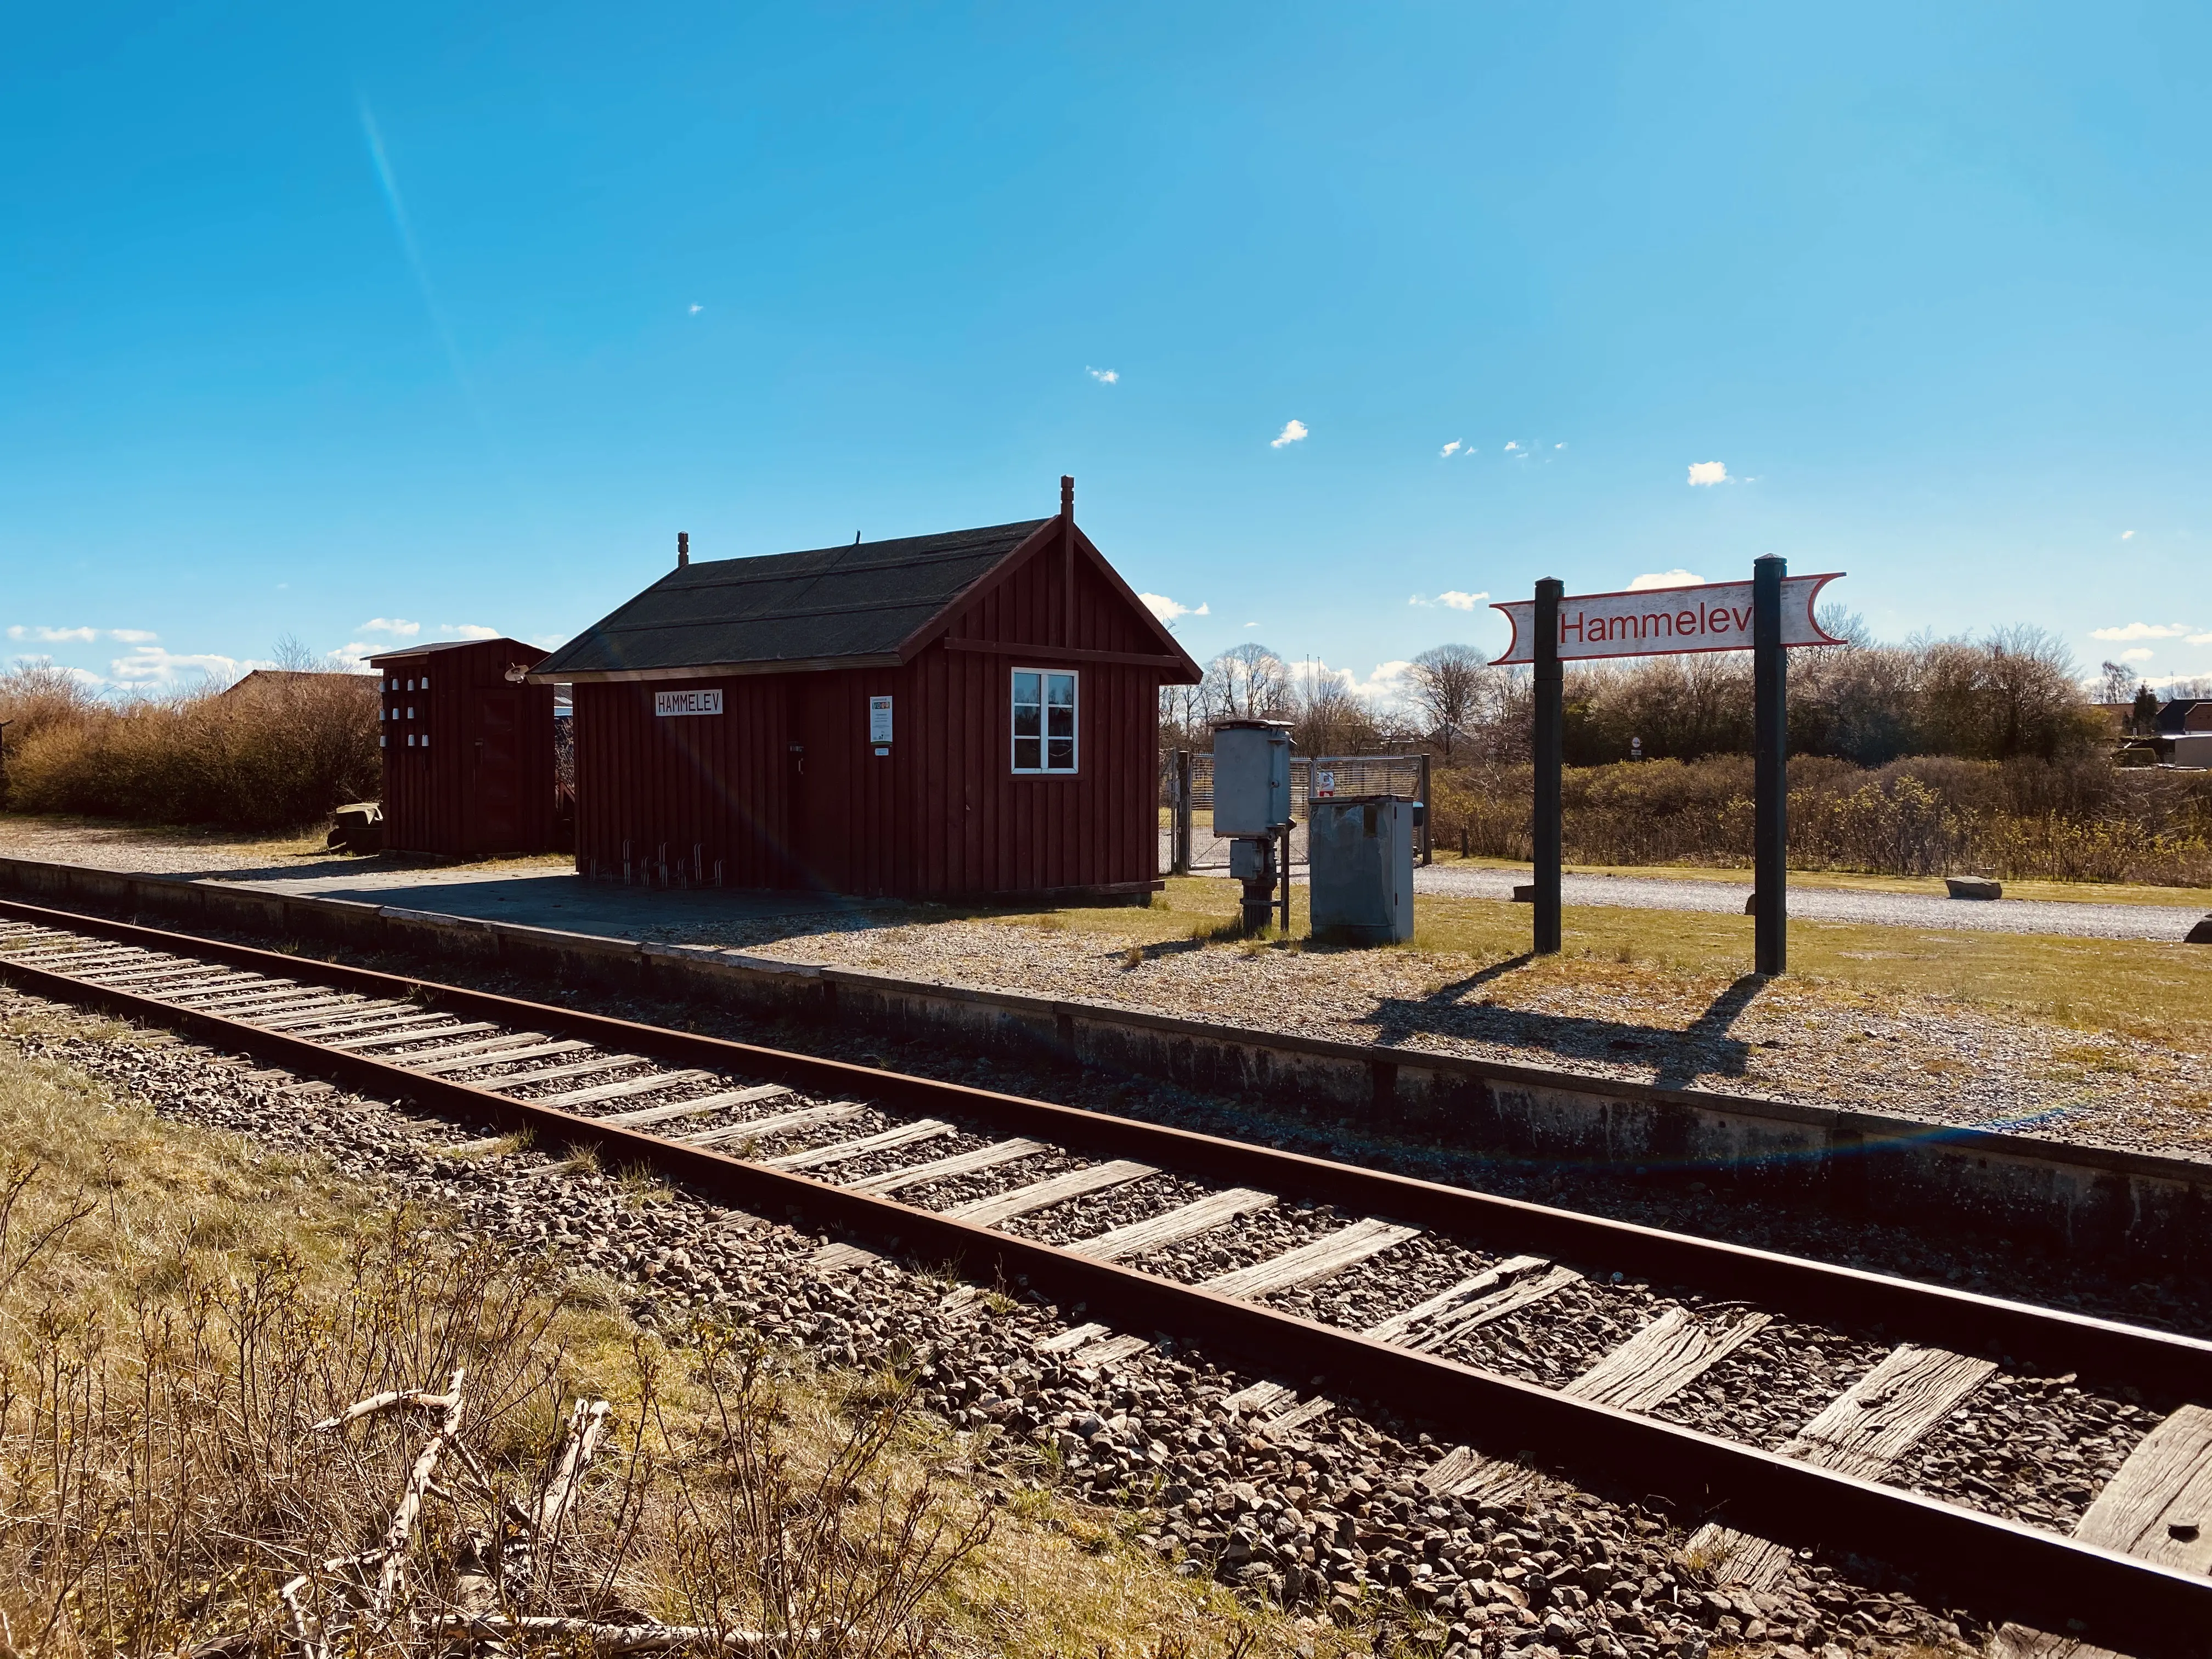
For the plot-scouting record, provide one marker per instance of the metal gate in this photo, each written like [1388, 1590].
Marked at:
[1187, 800]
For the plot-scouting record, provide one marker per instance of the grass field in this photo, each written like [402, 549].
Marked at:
[2154, 990]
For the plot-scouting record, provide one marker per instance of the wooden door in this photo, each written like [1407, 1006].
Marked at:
[821, 829]
[498, 764]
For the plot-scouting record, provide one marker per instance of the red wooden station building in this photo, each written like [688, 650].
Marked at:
[973, 715]
[468, 748]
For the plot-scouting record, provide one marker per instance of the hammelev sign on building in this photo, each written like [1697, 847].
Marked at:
[1659, 620]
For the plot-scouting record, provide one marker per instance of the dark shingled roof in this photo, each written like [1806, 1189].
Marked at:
[829, 604]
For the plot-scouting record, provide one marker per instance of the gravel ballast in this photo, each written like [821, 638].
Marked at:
[1332, 1518]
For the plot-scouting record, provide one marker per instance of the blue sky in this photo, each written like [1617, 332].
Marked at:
[324, 317]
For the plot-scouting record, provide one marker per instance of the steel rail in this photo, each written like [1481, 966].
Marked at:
[1902, 1309]
[2018, 1571]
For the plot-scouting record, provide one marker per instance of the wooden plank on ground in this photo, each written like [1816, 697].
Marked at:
[1157, 1232]
[1394, 1328]
[1073, 1337]
[1455, 1323]
[1054, 1189]
[477, 1056]
[943, 1169]
[363, 1025]
[806, 1117]
[1661, 1360]
[1664, 1358]
[1260, 1397]
[637, 1086]
[155, 972]
[2157, 1508]
[904, 1135]
[1311, 1263]
[560, 1074]
[716, 1103]
[392, 1040]
[1861, 1432]
[1112, 1351]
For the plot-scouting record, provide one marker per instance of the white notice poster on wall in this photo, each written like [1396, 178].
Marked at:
[879, 719]
[666, 703]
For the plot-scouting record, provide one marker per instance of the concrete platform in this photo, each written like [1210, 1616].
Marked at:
[562, 899]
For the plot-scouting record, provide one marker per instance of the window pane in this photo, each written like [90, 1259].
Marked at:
[1063, 755]
[1025, 688]
[1025, 754]
[1061, 721]
[1063, 688]
[1026, 719]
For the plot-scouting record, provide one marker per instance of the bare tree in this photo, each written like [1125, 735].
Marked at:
[1328, 717]
[1247, 683]
[1446, 684]
[2116, 682]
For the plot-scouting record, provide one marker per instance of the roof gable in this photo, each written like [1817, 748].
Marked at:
[822, 607]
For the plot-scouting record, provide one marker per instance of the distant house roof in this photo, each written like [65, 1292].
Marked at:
[869, 603]
[275, 679]
[2181, 714]
[531, 653]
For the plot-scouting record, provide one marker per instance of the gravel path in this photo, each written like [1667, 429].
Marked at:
[2071, 919]
[1331, 1520]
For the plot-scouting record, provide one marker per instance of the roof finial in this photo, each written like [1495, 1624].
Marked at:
[683, 547]
[1066, 497]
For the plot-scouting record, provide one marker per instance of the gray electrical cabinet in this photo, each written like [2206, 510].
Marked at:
[1251, 777]
[1361, 849]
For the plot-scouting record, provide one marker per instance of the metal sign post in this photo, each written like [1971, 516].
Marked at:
[1550, 749]
[1766, 615]
[1769, 697]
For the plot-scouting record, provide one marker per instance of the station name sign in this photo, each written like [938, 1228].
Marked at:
[1662, 621]
[666, 703]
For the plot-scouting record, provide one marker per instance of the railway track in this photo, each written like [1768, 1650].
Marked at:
[1327, 1279]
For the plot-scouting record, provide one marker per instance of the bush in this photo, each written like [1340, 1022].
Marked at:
[2078, 820]
[275, 750]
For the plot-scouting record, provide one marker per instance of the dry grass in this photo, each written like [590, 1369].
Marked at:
[264, 755]
[2141, 988]
[177, 1310]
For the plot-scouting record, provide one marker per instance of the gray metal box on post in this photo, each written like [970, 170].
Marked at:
[1251, 777]
[1360, 854]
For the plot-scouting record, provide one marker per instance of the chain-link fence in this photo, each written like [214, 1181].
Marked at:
[1187, 797]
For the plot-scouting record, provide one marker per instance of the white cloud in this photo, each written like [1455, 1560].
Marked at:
[1665, 579]
[358, 651]
[1451, 599]
[1293, 432]
[151, 666]
[1450, 448]
[1559, 446]
[1168, 610]
[1251, 624]
[467, 631]
[2127, 535]
[2200, 639]
[1709, 472]
[2143, 631]
[695, 311]
[1387, 683]
[1103, 376]
[1512, 446]
[391, 625]
[2141, 653]
[132, 636]
[55, 636]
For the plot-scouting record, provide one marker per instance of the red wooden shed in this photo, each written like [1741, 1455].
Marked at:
[468, 748]
[967, 716]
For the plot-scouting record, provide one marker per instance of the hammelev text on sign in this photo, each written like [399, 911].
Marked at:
[1659, 620]
[666, 703]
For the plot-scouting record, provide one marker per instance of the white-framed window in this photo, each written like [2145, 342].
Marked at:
[1044, 719]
